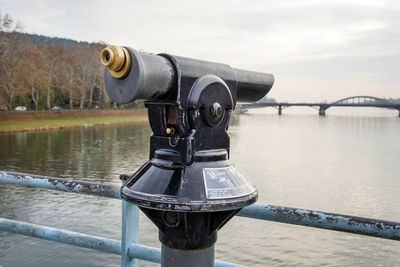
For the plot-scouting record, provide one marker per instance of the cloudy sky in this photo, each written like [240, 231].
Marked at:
[317, 50]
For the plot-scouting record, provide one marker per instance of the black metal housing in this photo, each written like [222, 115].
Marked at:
[188, 188]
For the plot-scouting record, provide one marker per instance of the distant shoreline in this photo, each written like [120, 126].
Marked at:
[53, 120]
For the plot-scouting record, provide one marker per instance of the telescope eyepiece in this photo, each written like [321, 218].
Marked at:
[107, 57]
[117, 60]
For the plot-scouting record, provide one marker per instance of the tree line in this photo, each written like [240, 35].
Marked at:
[40, 72]
[42, 75]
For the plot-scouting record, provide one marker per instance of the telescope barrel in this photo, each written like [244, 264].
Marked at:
[132, 75]
[252, 86]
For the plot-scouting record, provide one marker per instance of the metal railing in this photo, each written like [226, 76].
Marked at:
[131, 251]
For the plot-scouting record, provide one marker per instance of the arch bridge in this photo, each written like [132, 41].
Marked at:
[353, 101]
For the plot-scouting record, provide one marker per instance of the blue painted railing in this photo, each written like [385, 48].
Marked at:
[131, 251]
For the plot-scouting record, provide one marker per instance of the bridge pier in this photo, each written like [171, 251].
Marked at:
[280, 110]
[322, 111]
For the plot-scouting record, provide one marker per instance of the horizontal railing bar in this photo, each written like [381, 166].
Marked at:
[86, 241]
[329, 221]
[73, 186]
[219, 263]
[62, 236]
[144, 253]
[310, 218]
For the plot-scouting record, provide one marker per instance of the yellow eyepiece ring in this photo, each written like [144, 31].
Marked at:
[117, 60]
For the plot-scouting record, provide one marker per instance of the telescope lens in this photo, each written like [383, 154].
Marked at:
[107, 57]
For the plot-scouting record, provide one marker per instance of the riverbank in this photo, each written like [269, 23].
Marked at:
[36, 121]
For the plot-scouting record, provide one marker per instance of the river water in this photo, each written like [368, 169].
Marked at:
[344, 163]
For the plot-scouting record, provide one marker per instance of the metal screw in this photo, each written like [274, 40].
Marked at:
[216, 110]
[171, 219]
[170, 130]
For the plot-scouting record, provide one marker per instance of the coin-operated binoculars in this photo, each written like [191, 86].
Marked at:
[188, 188]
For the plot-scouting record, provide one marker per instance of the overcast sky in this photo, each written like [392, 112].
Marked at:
[317, 50]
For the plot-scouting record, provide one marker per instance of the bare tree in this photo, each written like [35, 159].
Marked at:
[10, 50]
[34, 61]
[52, 59]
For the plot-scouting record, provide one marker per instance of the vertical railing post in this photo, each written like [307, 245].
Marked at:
[129, 232]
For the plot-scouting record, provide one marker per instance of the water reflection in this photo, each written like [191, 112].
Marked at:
[337, 164]
[94, 153]
[97, 154]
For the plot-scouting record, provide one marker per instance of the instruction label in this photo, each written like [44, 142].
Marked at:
[227, 182]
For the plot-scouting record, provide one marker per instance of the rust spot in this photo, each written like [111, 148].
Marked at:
[314, 216]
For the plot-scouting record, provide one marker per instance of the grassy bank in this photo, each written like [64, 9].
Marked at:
[31, 121]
